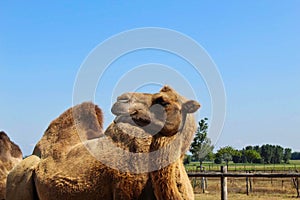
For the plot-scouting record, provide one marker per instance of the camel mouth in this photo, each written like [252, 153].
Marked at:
[133, 119]
[141, 121]
[122, 118]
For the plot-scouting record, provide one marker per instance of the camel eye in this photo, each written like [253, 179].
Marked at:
[161, 101]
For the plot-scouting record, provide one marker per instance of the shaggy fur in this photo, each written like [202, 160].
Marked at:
[63, 168]
[62, 134]
[22, 173]
[10, 156]
[172, 182]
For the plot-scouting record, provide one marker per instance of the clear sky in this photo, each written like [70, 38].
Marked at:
[255, 44]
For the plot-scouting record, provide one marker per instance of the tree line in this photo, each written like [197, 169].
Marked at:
[202, 150]
[267, 154]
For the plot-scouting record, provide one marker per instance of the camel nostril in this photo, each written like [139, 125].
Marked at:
[123, 98]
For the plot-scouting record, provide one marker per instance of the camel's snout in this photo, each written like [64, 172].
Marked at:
[120, 108]
[124, 105]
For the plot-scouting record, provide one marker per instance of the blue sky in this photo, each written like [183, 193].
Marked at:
[255, 45]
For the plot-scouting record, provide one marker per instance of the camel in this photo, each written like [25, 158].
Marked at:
[75, 159]
[10, 156]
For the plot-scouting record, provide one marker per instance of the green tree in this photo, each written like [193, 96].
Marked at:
[287, 155]
[210, 156]
[201, 147]
[266, 153]
[272, 154]
[237, 156]
[226, 153]
[228, 149]
[257, 148]
[252, 155]
[227, 157]
[278, 154]
[218, 158]
[249, 148]
[295, 156]
[187, 159]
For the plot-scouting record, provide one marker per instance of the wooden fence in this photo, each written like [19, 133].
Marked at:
[223, 174]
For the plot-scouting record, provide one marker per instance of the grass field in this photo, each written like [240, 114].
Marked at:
[209, 166]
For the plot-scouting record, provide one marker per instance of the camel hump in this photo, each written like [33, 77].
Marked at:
[77, 124]
[20, 180]
[10, 156]
[8, 147]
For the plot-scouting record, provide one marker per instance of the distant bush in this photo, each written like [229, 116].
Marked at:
[258, 161]
[187, 159]
[295, 156]
[218, 160]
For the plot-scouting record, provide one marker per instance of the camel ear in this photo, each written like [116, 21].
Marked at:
[190, 106]
[166, 88]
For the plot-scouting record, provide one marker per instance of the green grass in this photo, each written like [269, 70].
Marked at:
[209, 166]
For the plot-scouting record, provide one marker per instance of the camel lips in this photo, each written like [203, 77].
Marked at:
[121, 118]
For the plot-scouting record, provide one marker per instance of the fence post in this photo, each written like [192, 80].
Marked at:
[296, 184]
[250, 181]
[223, 184]
[203, 186]
[247, 185]
[298, 194]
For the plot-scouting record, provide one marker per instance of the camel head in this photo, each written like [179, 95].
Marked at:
[162, 112]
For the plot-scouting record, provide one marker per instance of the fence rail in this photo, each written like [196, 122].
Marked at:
[247, 167]
[229, 174]
[224, 174]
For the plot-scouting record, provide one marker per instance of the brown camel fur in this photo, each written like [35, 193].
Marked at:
[65, 163]
[172, 182]
[10, 156]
